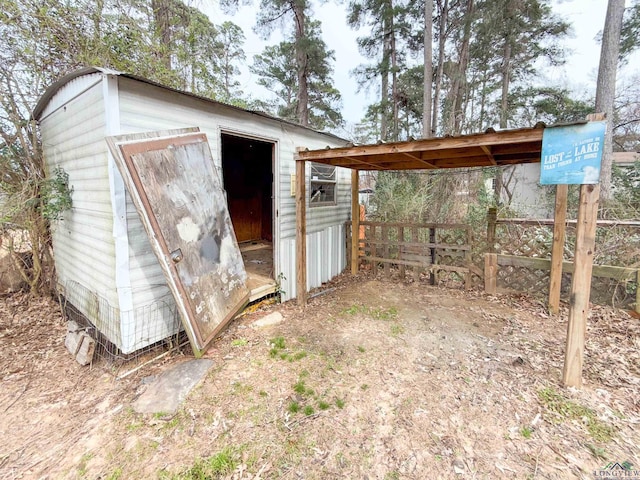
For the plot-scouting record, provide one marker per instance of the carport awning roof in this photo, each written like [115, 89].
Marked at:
[493, 148]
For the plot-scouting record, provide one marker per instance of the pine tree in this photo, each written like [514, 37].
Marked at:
[277, 68]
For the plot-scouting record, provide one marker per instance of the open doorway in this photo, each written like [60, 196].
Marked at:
[247, 170]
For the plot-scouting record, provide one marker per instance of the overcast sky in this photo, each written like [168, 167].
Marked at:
[579, 74]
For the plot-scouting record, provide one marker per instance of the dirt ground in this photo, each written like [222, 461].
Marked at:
[373, 380]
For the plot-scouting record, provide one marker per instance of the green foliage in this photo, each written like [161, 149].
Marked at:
[222, 463]
[278, 71]
[564, 409]
[626, 188]
[550, 105]
[526, 431]
[630, 34]
[56, 195]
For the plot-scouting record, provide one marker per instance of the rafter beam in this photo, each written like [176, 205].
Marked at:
[418, 159]
[487, 151]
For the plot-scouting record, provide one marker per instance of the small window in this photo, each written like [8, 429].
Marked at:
[322, 190]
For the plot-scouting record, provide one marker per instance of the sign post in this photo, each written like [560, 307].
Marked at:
[572, 155]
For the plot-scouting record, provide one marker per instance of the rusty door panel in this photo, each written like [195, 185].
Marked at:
[176, 190]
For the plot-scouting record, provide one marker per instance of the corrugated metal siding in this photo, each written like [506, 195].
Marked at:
[146, 108]
[73, 138]
[326, 258]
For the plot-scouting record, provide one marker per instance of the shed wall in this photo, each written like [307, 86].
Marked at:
[73, 131]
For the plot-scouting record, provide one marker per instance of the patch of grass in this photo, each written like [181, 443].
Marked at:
[354, 310]
[294, 407]
[262, 393]
[300, 355]
[134, 425]
[565, 409]
[116, 474]
[393, 475]
[308, 410]
[300, 388]
[222, 463]
[279, 350]
[397, 329]
[383, 313]
[239, 342]
[361, 349]
[339, 403]
[373, 312]
[526, 432]
[82, 466]
[364, 387]
[597, 452]
[322, 405]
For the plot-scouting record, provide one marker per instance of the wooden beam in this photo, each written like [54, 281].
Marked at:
[431, 144]
[301, 233]
[557, 248]
[418, 159]
[581, 285]
[355, 222]
[487, 151]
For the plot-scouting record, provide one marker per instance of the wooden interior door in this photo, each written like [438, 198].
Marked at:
[179, 196]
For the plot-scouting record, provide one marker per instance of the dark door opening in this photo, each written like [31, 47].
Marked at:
[248, 179]
[247, 171]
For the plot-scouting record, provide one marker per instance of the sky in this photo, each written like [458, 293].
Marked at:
[579, 74]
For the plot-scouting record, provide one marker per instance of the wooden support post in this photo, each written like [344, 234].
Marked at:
[638, 292]
[492, 216]
[432, 241]
[301, 233]
[581, 285]
[355, 223]
[491, 273]
[374, 252]
[467, 260]
[385, 250]
[415, 232]
[400, 249]
[557, 249]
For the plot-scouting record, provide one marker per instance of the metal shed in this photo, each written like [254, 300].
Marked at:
[106, 267]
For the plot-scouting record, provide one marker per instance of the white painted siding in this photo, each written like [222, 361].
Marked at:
[72, 130]
[529, 197]
[71, 90]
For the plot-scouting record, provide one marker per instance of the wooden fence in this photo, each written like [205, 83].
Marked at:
[494, 261]
[426, 248]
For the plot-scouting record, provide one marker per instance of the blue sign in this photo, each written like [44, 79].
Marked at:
[572, 154]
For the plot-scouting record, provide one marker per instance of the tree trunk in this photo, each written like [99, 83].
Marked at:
[302, 110]
[461, 73]
[163, 29]
[442, 27]
[394, 82]
[506, 73]
[384, 72]
[428, 69]
[606, 87]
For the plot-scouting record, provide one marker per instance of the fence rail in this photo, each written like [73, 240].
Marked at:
[415, 248]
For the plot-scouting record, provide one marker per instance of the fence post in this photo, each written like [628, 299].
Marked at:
[638, 291]
[492, 216]
[491, 273]
[557, 248]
